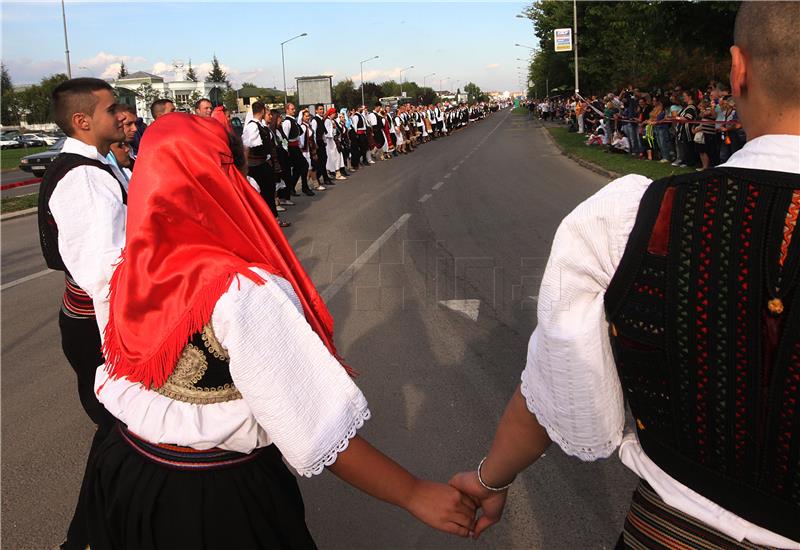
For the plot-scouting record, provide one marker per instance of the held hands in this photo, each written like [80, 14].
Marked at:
[442, 507]
[491, 502]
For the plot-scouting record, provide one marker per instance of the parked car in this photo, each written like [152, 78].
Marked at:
[8, 140]
[37, 163]
[46, 138]
[31, 140]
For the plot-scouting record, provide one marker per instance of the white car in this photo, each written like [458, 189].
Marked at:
[8, 143]
[48, 140]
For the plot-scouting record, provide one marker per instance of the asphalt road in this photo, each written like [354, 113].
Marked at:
[469, 219]
[14, 176]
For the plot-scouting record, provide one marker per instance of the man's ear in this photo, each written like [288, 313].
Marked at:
[738, 74]
[81, 121]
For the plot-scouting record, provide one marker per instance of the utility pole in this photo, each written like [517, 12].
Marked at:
[283, 63]
[362, 77]
[575, 41]
[66, 44]
[401, 78]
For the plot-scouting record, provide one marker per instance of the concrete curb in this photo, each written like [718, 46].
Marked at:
[18, 214]
[585, 163]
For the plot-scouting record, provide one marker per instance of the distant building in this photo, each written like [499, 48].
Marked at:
[246, 96]
[141, 89]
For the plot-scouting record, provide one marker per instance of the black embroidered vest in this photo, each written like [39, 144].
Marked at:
[704, 314]
[48, 229]
[202, 374]
[259, 154]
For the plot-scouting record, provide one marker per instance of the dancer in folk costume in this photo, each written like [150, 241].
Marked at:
[220, 365]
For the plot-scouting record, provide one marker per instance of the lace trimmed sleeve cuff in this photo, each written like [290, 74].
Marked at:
[297, 391]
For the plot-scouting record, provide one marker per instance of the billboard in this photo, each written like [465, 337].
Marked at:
[563, 40]
[314, 90]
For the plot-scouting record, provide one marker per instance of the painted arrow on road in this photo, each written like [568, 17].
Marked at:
[470, 308]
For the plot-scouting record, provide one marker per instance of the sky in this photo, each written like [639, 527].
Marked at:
[465, 41]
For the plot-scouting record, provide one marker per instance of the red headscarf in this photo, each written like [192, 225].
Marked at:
[219, 115]
[194, 225]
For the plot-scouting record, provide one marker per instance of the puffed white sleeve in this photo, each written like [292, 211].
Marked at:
[298, 392]
[88, 209]
[570, 381]
[329, 135]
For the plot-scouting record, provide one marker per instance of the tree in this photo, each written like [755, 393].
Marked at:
[345, 94]
[391, 88]
[34, 101]
[194, 97]
[146, 93]
[230, 100]
[643, 44]
[123, 71]
[473, 92]
[190, 74]
[248, 85]
[372, 93]
[216, 74]
[9, 101]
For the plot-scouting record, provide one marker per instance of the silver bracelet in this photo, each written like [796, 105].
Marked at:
[489, 487]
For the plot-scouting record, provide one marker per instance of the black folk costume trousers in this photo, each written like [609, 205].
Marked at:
[80, 342]
[322, 163]
[265, 178]
[299, 168]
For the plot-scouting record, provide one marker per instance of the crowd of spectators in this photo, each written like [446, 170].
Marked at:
[686, 127]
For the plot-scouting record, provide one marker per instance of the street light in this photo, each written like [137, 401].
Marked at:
[401, 77]
[424, 78]
[283, 62]
[66, 44]
[524, 46]
[362, 77]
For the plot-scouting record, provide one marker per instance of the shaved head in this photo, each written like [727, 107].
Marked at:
[768, 33]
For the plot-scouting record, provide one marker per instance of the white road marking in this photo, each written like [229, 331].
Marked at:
[447, 176]
[425, 197]
[344, 277]
[438, 185]
[470, 308]
[25, 279]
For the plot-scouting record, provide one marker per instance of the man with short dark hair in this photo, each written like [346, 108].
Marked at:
[161, 107]
[260, 152]
[680, 298]
[203, 107]
[318, 127]
[298, 165]
[82, 209]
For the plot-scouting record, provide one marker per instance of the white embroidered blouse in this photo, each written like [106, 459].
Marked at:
[295, 394]
[570, 381]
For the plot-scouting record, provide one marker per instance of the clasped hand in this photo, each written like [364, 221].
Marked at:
[452, 508]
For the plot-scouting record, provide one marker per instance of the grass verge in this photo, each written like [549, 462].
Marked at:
[9, 158]
[13, 204]
[575, 144]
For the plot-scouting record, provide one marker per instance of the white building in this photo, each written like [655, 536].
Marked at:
[141, 89]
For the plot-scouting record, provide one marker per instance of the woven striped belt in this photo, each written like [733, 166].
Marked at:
[185, 458]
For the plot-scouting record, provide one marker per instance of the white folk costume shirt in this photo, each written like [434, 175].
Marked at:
[295, 394]
[250, 135]
[88, 209]
[570, 381]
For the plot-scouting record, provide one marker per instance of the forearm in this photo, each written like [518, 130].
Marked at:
[518, 442]
[369, 470]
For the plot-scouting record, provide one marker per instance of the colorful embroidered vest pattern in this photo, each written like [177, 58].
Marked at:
[704, 316]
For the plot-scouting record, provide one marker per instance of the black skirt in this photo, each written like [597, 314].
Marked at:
[136, 504]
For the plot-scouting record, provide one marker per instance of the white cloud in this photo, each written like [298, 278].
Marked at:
[492, 66]
[106, 65]
[26, 71]
[379, 75]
